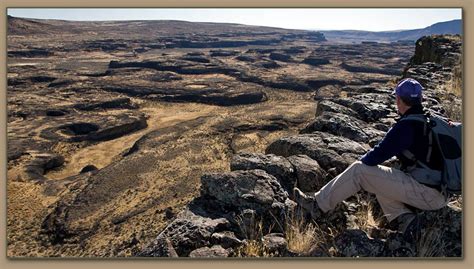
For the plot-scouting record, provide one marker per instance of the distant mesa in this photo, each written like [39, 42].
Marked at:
[402, 36]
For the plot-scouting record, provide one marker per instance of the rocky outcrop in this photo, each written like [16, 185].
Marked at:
[437, 65]
[280, 57]
[356, 243]
[97, 129]
[310, 177]
[216, 92]
[228, 203]
[275, 243]
[212, 252]
[276, 166]
[226, 239]
[220, 43]
[327, 92]
[296, 170]
[40, 164]
[223, 96]
[118, 103]
[328, 150]
[259, 188]
[30, 53]
[314, 61]
[441, 49]
[186, 233]
[253, 189]
[223, 53]
[343, 125]
[368, 69]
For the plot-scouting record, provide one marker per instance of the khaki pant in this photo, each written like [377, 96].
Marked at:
[392, 187]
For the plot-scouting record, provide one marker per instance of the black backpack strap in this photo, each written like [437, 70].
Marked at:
[430, 144]
[427, 132]
[412, 157]
[444, 180]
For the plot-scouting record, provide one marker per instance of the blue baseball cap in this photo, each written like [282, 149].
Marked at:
[409, 88]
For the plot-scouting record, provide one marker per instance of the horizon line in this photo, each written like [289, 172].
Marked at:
[301, 29]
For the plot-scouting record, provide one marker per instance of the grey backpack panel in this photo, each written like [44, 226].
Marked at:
[447, 136]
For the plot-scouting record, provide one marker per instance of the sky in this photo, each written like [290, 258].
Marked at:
[369, 19]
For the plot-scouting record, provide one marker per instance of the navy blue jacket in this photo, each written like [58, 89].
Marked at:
[404, 135]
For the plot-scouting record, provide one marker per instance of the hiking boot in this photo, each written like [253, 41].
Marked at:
[308, 203]
[409, 225]
[403, 222]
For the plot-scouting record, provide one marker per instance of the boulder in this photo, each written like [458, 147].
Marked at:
[161, 247]
[255, 189]
[327, 92]
[212, 252]
[313, 145]
[330, 106]
[361, 89]
[226, 239]
[441, 231]
[356, 243]
[40, 163]
[275, 243]
[276, 166]
[343, 125]
[187, 232]
[310, 176]
[369, 110]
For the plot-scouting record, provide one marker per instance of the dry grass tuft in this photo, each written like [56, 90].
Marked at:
[431, 243]
[366, 218]
[252, 229]
[456, 203]
[253, 248]
[301, 236]
[456, 80]
[453, 90]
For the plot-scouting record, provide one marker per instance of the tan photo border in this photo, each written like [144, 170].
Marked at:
[468, 236]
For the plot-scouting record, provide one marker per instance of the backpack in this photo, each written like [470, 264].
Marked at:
[447, 137]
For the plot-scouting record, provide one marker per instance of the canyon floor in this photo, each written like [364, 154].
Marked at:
[111, 125]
